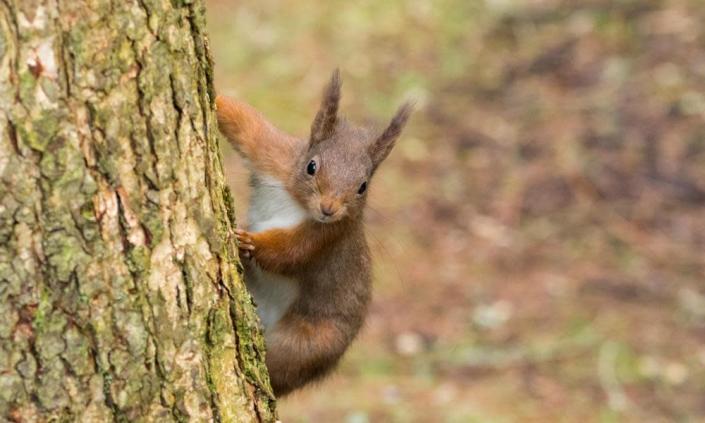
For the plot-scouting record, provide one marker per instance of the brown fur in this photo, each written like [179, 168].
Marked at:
[327, 255]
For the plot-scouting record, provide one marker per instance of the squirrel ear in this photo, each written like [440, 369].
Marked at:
[382, 146]
[324, 122]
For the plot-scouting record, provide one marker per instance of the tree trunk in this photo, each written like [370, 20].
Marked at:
[119, 289]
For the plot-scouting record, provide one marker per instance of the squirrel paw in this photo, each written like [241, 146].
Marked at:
[245, 243]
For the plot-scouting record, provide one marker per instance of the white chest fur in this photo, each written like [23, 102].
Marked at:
[271, 206]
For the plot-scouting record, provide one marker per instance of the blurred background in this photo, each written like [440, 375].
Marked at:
[539, 230]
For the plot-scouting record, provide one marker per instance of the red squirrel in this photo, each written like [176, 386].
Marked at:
[306, 259]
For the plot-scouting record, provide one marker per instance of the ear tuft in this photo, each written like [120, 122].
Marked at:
[324, 122]
[382, 146]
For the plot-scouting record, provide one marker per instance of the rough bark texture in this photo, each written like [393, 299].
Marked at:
[119, 292]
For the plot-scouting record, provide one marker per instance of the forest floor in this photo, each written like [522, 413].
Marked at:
[539, 231]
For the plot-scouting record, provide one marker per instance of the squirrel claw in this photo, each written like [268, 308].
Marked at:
[245, 243]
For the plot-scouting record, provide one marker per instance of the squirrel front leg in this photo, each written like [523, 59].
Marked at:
[283, 250]
[267, 148]
[242, 125]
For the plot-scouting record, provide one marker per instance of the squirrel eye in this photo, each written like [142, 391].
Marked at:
[311, 168]
[363, 187]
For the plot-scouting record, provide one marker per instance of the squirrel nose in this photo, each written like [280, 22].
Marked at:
[328, 208]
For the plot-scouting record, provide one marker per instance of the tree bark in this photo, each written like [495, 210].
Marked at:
[120, 294]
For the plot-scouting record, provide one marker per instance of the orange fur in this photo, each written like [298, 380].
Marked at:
[268, 148]
[286, 250]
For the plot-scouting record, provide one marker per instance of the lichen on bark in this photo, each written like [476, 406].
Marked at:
[119, 285]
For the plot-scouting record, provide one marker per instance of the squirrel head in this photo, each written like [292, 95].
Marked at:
[329, 173]
[333, 172]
